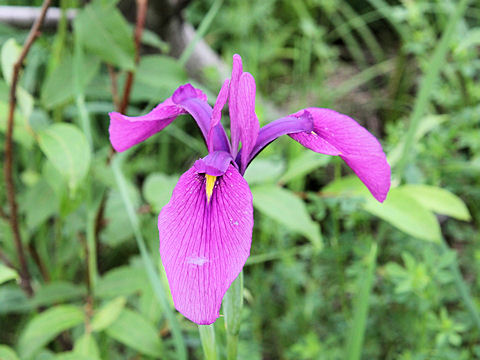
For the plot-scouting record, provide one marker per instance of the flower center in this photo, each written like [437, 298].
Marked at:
[209, 185]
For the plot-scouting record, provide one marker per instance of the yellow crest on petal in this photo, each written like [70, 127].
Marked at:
[209, 185]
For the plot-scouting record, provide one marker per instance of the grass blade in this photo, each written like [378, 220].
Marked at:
[147, 261]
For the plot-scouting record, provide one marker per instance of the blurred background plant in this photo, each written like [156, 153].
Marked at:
[333, 275]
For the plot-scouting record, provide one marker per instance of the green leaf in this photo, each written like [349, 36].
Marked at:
[67, 148]
[264, 171]
[57, 292]
[9, 55]
[71, 355]
[439, 200]
[87, 346]
[121, 281]
[131, 329]
[39, 203]
[7, 353]
[407, 214]
[13, 300]
[158, 188]
[22, 133]
[104, 31]
[108, 314]
[44, 327]
[7, 274]
[56, 91]
[286, 208]
[305, 163]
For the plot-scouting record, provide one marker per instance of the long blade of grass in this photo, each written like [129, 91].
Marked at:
[357, 330]
[202, 29]
[207, 337]
[428, 82]
[147, 261]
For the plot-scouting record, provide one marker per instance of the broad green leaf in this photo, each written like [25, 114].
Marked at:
[407, 214]
[7, 274]
[39, 203]
[264, 171]
[56, 91]
[108, 314]
[9, 55]
[345, 186]
[71, 355]
[44, 327]
[57, 292]
[87, 346]
[121, 281]
[150, 38]
[158, 188]
[22, 133]
[105, 32]
[305, 163]
[438, 200]
[13, 300]
[286, 208]
[133, 330]
[7, 353]
[118, 228]
[67, 148]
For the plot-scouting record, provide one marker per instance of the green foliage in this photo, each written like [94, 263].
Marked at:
[333, 274]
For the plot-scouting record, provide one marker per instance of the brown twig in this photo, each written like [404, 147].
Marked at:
[142, 6]
[113, 84]
[8, 169]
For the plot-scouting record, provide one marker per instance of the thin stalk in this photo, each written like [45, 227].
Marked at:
[427, 85]
[8, 168]
[207, 337]
[147, 261]
[232, 308]
[202, 29]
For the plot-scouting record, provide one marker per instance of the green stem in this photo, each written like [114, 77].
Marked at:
[232, 308]
[207, 336]
[153, 276]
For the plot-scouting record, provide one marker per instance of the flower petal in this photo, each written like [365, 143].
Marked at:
[287, 125]
[337, 134]
[246, 118]
[203, 245]
[127, 131]
[217, 112]
[235, 131]
[215, 163]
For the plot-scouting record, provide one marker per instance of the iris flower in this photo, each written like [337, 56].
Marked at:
[206, 229]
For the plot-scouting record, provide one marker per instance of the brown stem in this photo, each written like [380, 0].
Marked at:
[142, 6]
[8, 168]
[6, 260]
[113, 81]
[38, 261]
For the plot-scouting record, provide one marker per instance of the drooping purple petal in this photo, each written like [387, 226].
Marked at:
[337, 134]
[215, 163]
[203, 245]
[217, 111]
[235, 131]
[287, 125]
[246, 118]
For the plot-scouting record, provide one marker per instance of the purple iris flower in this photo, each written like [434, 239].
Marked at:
[206, 228]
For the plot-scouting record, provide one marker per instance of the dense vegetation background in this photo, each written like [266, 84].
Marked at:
[333, 275]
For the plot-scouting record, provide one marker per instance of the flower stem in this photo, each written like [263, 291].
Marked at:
[232, 308]
[209, 345]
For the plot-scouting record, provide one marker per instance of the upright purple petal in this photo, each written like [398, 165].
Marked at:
[337, 134]
[217, 112]
[235, 131]
[246, 118]
[127, 131]
[203, 245]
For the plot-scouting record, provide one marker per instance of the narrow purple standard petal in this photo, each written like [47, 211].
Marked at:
[217, 112]
[204, 245]
[127, 131]
[235, 131]
[337, 134]
[247, 121]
